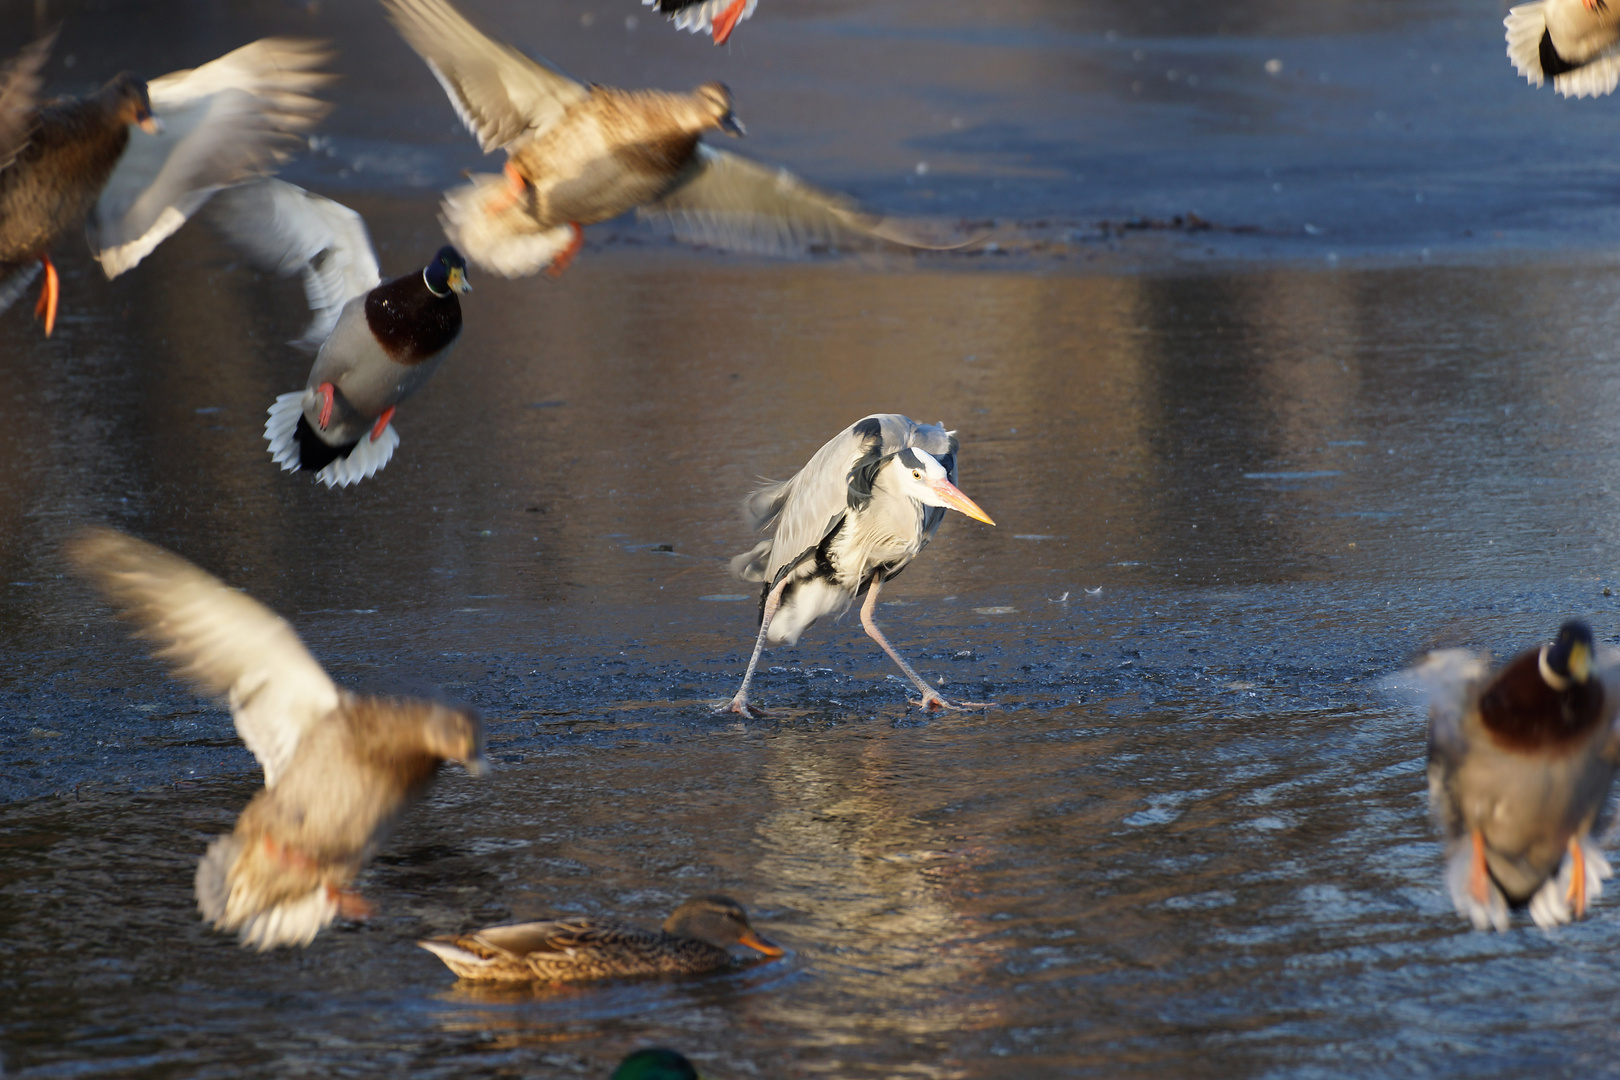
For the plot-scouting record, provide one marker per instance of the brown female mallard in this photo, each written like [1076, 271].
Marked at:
[578, 154]
[1520, 766]
[339, 769]
[696, 939]
[71, 160]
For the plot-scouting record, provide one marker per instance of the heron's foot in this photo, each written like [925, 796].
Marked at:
[48, 293]
[382, 423]
[516, 185]
[931, 700]
[350, 904]
[740, 706]
[327, 393]
[565, 257]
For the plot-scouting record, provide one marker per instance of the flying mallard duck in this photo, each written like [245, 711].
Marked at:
[339, 769]
[695, 939]
[1575, 43]
[379, 341]
[202, 130]
[715, 17]
[1520, 764]
[579, 154]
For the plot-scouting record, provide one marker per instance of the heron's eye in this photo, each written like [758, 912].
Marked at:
[916, 474]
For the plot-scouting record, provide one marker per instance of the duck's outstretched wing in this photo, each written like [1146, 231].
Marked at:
[500, 94]
[19, 93]
[222, 641]
[729, 202]
[288, 230]
[232, 119]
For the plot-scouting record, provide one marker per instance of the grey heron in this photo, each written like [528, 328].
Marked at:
[859, 511]
[1520, 766]
[339, 769]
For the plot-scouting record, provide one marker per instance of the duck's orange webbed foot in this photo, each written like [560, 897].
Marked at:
[566, 256]
[48, 294]
[516, 185]
[382, 423]
[327, 393]
[727, 22]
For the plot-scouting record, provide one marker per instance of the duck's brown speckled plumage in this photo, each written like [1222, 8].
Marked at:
[694, 940]
[59, 173]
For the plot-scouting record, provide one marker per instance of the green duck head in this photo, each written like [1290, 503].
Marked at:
[656, 1063]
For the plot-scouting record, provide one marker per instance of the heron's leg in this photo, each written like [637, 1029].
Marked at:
[47, 295]
[739, 703]
[930, 696]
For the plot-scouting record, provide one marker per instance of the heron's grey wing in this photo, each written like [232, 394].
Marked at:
[500, 94]
[729, 202]
[803, 509]
[223, 641]
[232, 119]
[288, 230]
[19, 93]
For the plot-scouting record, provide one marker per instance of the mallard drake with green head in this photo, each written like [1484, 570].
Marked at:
[1520, 766]
[71, 160]
[379, 341]
[656, 1063]
[696, 939]
[579, 153]
[339, 769]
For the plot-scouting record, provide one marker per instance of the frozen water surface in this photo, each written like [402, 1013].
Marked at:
[1236, 481]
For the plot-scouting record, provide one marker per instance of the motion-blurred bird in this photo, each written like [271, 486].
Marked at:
[201, 130]
[1520, 764]
[855, 516]
[578, 154]
[1575, 43]
[379, 341]
[656, 1063]
[339, 769]
[696, 939]
[715, 17]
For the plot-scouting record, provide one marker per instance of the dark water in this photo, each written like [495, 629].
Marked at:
[1191, 842]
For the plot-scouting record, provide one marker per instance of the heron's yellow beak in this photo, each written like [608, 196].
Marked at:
[761, 945]
[458, 280]
[952, 496]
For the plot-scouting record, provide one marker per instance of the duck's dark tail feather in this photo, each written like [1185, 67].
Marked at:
[294, 446]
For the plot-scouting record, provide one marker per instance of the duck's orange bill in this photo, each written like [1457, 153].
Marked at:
[952, 496]
[760, 945]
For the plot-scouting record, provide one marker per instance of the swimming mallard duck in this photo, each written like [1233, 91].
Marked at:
[379, 341]
[1520, 764]
[695, 939]
[578, 154]
[656, 1063]
[1575, 43]
[716, 17]
[339, 769]
[65, 160]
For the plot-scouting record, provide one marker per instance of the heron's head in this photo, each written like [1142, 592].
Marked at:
[131, 103]
[919, 475]
[716, 101]
[1569, 658]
